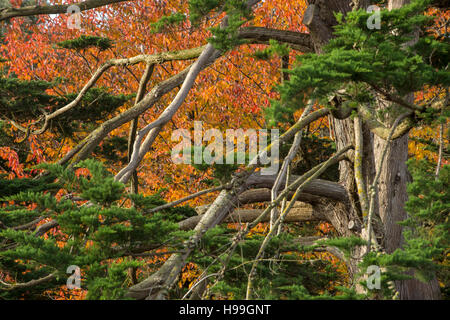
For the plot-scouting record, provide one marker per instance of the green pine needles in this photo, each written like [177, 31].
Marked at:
[98, 234]
[84, 42]
[365, 61]
[424, 253]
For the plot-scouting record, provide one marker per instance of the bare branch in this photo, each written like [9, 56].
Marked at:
[7, 13]
[149, 59]
[302, 212]
[30, 283]
[138, 150]
[134, 123]
[286, 162]
[296, 40]
[192, 196]
[358, 163]
[301, 183]
[45, 227]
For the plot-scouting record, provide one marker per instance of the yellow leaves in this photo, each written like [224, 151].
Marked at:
[261, 229]
[84, 172]
[89, 244]
[421, 150]
[224, 97]
[189, 274]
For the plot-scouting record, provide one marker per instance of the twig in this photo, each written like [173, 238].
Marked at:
[304, 181]
[286, 162]
[362, 192]
[30, 283]
[441, 143]
[197, 283]
[192, 196]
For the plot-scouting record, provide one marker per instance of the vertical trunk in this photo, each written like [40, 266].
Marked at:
[392, 197]
[392, 189]
[394, 175]
[391, 201]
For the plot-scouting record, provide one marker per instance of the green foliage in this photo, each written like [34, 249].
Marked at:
[225, 39]
[22, 100]
[84, 42]
[111, 148]
[150, 202]
[238, 13]
[97, 104]
[426, 239]
[167, 21]
[290, 276]
[98, 234]
[113, 285]
[200, 8]
[274, 48]
[360, 59]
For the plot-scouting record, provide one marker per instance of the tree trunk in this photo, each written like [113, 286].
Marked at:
[345, 212]
[391, 198]
[394, 175]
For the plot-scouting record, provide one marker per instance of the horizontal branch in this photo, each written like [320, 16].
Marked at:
[30, 283]
[29, 225]
[264, 195]
[7, 13]
[45, 227]
[296, 40]
[149, 59]
[301, 212]
[192, 196]
[318, 187]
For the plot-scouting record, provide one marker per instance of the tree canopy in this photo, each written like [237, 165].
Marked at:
[93, 205]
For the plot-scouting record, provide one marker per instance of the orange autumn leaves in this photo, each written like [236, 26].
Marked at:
[223, 97]
[232, 93]
[11, 156]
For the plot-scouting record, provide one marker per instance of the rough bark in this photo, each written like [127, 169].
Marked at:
[318, 187]
[296, 40]
[300, 212]
[394, 175]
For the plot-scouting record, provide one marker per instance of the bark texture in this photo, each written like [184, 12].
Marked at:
[394, 175]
